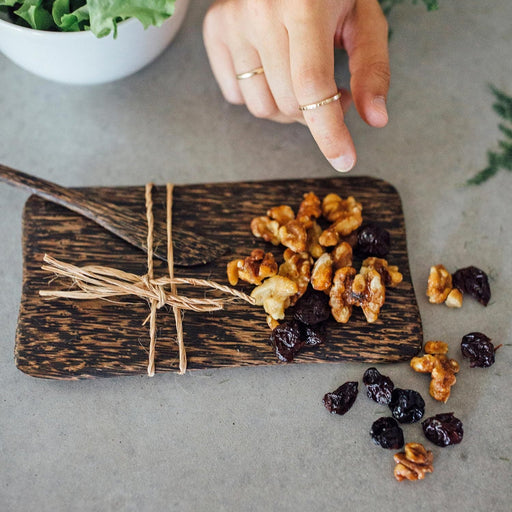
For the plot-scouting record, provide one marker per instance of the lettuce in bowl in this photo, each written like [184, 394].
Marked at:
[99, 16]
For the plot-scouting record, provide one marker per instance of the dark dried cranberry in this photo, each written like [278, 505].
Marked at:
[341, 400]
[478, 348]
[287, 340]
[387, 433]
[443, 429]
[312, 308]
[314, 334]
[474, 282]
[372, 240]
[407, 405]
[378, 387]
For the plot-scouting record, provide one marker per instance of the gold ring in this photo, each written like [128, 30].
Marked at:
[312, 106]
[250, 74]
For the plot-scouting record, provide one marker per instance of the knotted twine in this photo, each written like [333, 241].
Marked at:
[100, 282]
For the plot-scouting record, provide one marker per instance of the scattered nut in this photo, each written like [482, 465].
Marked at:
[321, 276]
[309, 209]
[439, 284]
[441, 368]
[342, 255]
[345, 215]
[313, 245]
[293, 235]
[454, 299]
[282, 214]
[297, 267]
[341, 293]
[389, 273]
[274, 295]
[266, 228]
[435, 347]
[413, 463]
[369, 292]
[253, 269]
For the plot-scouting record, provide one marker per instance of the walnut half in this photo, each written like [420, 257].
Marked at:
[413, 463]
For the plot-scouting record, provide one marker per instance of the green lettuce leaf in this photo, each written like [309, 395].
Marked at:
[101, 16]
[70, 16]
[34, 13]
[105, 14]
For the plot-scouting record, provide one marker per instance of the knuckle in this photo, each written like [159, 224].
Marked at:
[288, 106]
[380, 69]
[310, 79]
[262, 109]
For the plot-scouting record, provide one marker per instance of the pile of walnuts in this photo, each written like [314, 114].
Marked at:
[318, 255]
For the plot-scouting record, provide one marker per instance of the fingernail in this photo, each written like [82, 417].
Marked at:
[342, 163]
[379, 103]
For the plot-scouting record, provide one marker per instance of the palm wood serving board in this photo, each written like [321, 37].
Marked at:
[75, 339]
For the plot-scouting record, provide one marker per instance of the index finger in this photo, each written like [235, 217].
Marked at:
[312, 71]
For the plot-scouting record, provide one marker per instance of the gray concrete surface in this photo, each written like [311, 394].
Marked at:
[259, 439]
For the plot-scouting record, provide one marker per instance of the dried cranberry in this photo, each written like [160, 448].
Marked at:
[312, 308]
[407, 405]
[314, 334]
[474, 282]
[287, 340]
[443, 429]
[479, 349]
[387, 433]
[341, 400]
[372, 240]
[378, 387]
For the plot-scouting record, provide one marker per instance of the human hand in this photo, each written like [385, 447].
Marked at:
[293, 41]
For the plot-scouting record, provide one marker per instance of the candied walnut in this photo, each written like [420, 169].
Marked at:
[293, 235]
[439, 284]
[274, 295]
[345, 215]
[441, 368]
[253, 269]
[297, 267]
[413, 463]
[341, 293]
[443, 378]
[272, 322]
[454, 299]
[389, 273]
[435, 347]
[321, 276]
[309, 209]
[369, 292]
[266, 228]
[282, 214]
[314, 247]
[342, 255]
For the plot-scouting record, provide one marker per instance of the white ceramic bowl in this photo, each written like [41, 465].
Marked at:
[81, 57]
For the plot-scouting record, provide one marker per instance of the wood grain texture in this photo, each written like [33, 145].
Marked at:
[65, 339]
[128, 223]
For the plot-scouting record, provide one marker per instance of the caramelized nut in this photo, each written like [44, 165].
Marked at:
[439, 284]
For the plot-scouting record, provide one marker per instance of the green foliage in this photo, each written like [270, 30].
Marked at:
[100, 16]
[387, 5]
[502, 157]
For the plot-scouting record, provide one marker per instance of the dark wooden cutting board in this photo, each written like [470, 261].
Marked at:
[72, 339]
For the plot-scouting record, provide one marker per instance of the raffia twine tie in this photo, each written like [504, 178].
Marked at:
[99, 282]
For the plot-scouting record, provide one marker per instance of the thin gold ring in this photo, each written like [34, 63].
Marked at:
[250, 74]
[312, 106]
